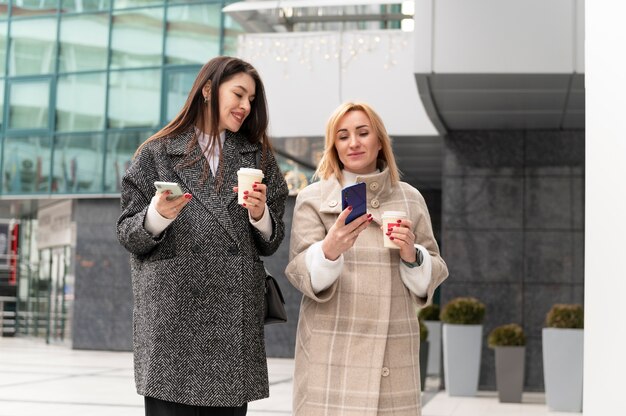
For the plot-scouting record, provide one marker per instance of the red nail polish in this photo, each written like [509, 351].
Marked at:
[391, 238]
[243, 205]
[188, 196]
[388, 234]
[245, 192]
[349, 208]
[254, 186]
[370, 219]
[399, 221]
[245, 197]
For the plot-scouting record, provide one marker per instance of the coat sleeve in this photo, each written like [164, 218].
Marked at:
[307, 228]
[277, 192]
[136, 193]
[425, 237]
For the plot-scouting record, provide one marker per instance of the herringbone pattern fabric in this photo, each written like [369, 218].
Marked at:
[357, 346]
[198, 288]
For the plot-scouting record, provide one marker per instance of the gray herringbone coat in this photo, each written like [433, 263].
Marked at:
[357, 345]
[198, 288]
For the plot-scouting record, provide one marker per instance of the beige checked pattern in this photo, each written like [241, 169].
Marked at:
[357, 346]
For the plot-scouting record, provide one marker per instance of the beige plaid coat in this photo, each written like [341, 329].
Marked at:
[357, 345]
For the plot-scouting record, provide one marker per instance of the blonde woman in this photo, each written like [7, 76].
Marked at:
[357, 346]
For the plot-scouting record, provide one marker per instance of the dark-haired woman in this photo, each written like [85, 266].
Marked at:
[198, 281]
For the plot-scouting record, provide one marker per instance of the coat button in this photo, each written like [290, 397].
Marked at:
[385, 372]
[196, 248]
[233, 250]
[374, 186]
[375, 203]
[332, 203]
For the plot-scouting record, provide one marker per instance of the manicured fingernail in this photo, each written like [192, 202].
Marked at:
[349, 208]
[391, 238]
[399, 221]
[388, 234]
[245, 197]
[243, 205]
[369, 215]
[254, 186]
[188, 196]
[245, 192]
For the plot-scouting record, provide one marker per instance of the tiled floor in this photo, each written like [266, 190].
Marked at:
[53, 380]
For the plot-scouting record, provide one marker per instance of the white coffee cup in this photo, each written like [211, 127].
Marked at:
[391, 217]
[246, 178]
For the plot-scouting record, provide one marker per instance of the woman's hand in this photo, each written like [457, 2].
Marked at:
[254, 200]
[342, 236]
[401, 235]
[170, 209]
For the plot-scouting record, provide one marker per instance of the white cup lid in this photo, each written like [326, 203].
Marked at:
[394, 214]
[250, 171]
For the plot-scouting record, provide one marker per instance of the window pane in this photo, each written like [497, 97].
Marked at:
[1, 104]
[84, 5]
[4, 8]
[193, 33]
[178, 85]
[29, 105]
[123, 4]
[33, 46]
[137, 38]
[26, 166]
[83, 42]
[3, 46]
[232, 30]
[134, 98]
[77, 164]
[81, 102]
[34, 7]
[120, 150]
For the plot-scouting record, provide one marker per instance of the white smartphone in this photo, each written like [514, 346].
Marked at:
[173, 187]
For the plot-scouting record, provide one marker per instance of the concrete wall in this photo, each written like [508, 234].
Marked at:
[513, 230]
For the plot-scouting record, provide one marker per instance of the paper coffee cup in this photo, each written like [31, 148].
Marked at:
[391, 217]
[246, 178]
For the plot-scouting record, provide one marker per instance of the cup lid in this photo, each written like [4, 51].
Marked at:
[250, 171]
[394, 214]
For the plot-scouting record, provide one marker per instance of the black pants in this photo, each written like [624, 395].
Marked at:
[156, 407]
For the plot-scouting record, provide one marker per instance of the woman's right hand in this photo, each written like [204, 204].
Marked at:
[342, 236]
[170, 209]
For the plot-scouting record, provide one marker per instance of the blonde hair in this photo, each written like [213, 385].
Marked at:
[331, 165]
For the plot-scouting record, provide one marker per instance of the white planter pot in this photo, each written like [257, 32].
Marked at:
[434, 353]
[462, 345]
[563, 368]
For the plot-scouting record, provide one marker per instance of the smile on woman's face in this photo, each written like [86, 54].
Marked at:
[235, 101]
[356, 143]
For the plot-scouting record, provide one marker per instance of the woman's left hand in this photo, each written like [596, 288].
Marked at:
[255, 200]
[404, 238]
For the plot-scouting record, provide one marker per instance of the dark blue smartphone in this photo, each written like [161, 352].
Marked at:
[356, 197]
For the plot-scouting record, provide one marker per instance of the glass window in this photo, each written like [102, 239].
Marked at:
[232, 30]
[34, 7]
[29, 103]
[77, 164]
[137, 38]
[134, 98]
[26, 164]
[1, 103]
[33, 46]
[124, 4]
[178, 85]
[193, 33]
[3, 46]
[83, 42]
[81, 102]
[4, 8]
[84, 5]
[120, 150]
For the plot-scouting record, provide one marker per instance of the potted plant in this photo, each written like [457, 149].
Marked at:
[424, 351]
[462, 344]
[508, 342]
[563, 357]
[430, 317]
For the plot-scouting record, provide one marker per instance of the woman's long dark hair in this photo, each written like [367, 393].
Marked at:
[217, 71]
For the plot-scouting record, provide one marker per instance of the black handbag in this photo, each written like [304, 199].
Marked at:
[274, 302]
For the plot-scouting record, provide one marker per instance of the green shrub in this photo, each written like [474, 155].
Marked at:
[463, 311]
[430, 313]
[510, 335]
[565, 316]
[423, 330]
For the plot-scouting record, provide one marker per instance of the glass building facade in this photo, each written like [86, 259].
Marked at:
[84, 82]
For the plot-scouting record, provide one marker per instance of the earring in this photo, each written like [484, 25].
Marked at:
[206, 100]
